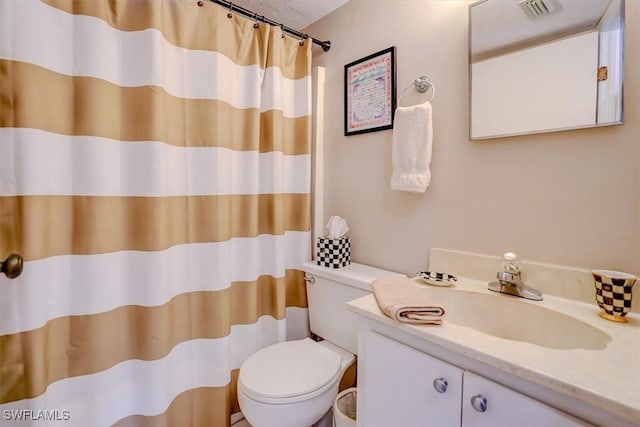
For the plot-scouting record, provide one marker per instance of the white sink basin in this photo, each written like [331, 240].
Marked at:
[517, 319]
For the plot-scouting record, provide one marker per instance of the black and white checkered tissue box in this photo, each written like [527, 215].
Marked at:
[333, 252]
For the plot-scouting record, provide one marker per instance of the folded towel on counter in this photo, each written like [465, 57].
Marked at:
[411, 148]
[404, 300]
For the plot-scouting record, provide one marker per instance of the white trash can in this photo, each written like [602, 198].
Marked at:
[344, 408]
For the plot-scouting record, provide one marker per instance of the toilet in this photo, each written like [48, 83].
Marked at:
[294, 383]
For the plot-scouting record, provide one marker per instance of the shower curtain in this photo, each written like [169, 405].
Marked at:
[155, 176]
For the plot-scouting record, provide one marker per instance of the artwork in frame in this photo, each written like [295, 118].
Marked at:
[370, 92]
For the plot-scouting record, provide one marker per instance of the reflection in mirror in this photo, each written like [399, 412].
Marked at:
[544, 65]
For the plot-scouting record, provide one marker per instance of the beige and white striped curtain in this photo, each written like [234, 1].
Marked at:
[155, 176]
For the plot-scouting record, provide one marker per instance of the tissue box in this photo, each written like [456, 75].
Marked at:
[334, 252]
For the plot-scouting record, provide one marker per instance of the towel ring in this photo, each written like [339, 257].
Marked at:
[422, 84]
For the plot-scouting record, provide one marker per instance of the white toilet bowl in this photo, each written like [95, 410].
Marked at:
[294, 383]
[291, 384]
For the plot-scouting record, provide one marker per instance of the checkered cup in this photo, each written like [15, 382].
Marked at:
[613, 293]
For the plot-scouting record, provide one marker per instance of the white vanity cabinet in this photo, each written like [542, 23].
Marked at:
[486, 403]
[401, 386]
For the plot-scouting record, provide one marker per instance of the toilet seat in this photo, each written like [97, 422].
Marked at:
[289, 372]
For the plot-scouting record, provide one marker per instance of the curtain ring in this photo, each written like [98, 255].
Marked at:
[255, 18]
[303, 38]
[282, 29]
[200, 3]
[230, 15]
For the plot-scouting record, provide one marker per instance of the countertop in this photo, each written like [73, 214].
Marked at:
[606, 378]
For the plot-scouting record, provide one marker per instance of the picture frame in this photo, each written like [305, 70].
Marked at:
[370, 92]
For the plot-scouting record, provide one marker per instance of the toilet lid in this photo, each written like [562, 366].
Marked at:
[289, 369]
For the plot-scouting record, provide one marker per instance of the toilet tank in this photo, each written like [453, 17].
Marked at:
[326, 299]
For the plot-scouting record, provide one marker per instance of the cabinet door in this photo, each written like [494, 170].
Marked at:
[486, 403]
[399, 387]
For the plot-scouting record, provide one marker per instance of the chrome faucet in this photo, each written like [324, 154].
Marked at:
[510, 281]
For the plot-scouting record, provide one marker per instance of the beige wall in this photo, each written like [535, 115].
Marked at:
[568, 198]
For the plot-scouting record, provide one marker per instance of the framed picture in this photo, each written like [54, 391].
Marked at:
[370, 93]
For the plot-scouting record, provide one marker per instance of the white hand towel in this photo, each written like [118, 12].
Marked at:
[405, 301]
[411, 148]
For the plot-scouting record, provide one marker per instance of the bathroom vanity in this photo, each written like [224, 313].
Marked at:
[497, 360]
[424, 390]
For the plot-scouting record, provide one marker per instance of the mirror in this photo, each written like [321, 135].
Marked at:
[544, 65]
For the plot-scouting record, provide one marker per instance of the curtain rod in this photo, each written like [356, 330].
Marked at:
[326, 45]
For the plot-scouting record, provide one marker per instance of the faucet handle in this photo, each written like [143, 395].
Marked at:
[511, 263]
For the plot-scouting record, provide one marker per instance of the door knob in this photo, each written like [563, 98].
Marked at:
[479, 403]
[12, 266]
[440, 385]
